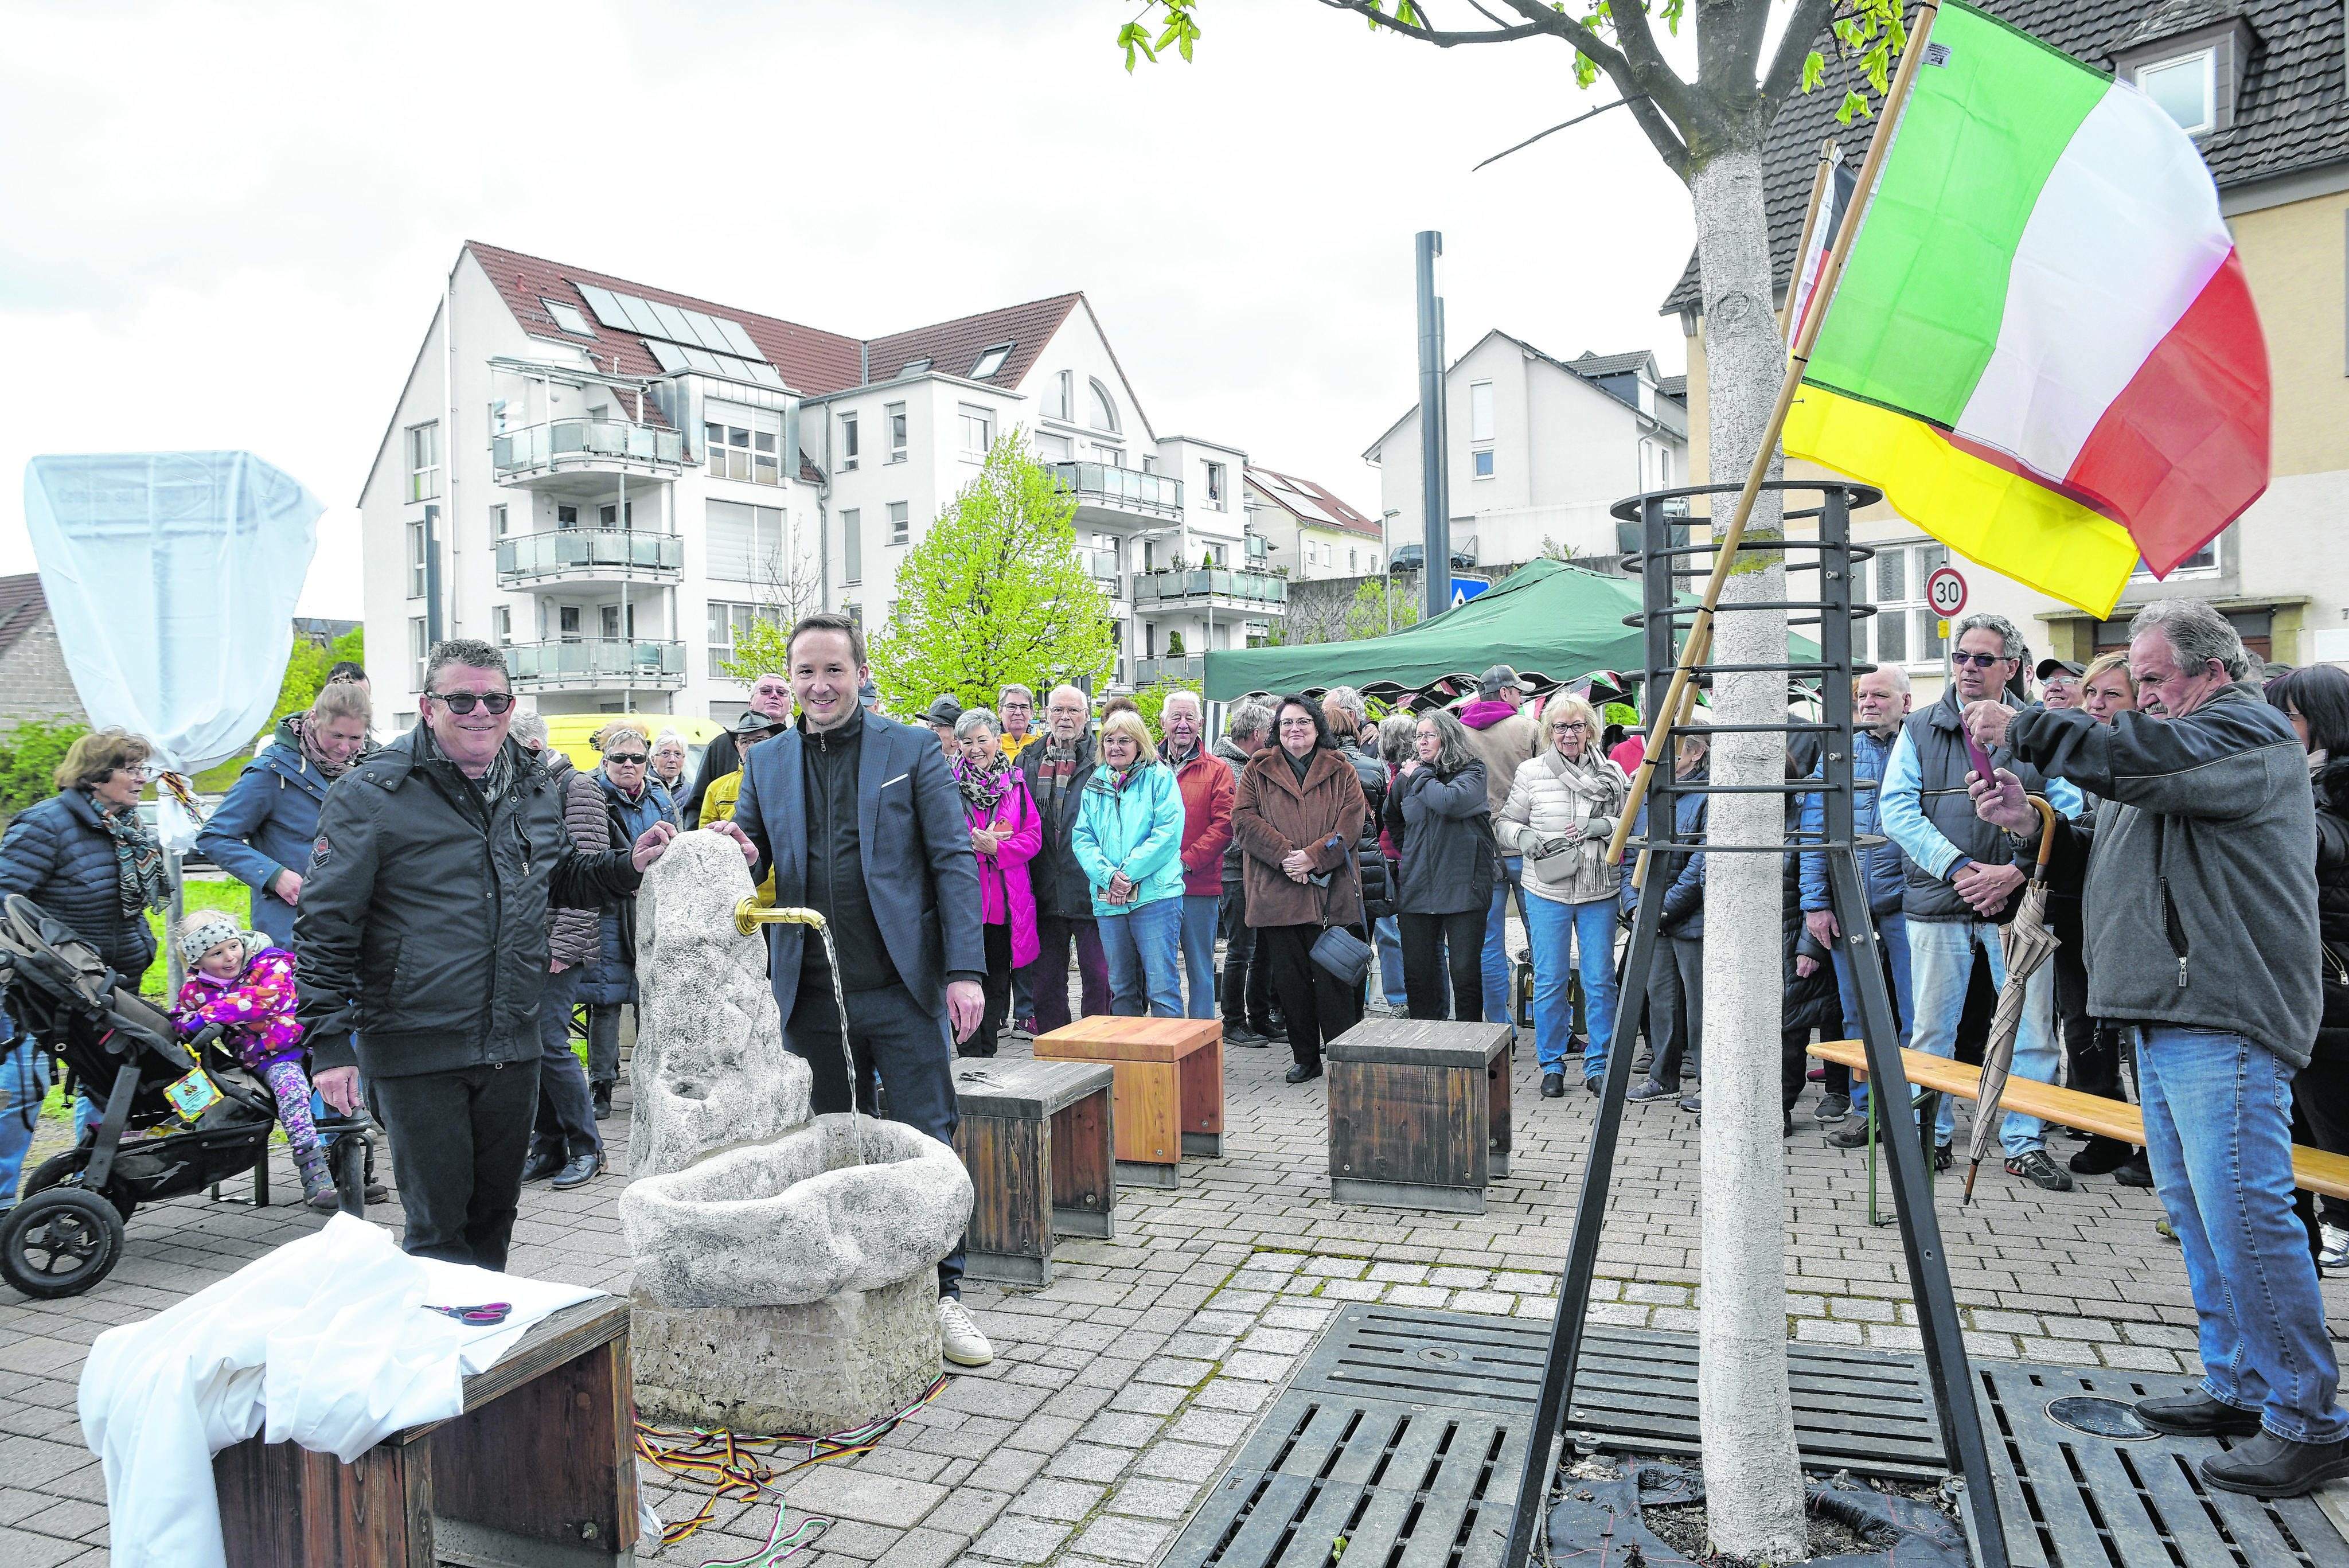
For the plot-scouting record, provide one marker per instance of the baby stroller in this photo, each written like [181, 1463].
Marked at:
[65, 1233]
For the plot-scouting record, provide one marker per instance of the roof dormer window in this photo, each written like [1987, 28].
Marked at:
[990, 362]
[915, 368]
[567, 316]
[2185, 88]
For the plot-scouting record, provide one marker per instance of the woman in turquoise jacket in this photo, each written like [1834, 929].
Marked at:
[1128, 838]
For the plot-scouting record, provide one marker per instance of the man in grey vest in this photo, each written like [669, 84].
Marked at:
[1963, 882]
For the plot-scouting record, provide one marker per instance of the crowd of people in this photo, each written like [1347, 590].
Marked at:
[426, 933]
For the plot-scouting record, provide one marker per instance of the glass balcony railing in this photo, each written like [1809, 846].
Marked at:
[615, 660]
[1120, 489]
[1149, 671]
[562, 441]
[617, 551]
[1246, 587]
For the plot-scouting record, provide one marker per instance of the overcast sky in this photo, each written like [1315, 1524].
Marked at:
[229, 224]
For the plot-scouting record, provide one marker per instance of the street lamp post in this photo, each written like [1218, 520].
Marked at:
[1434, 489]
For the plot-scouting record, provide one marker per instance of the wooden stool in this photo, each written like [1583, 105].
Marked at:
[539, 1468]
[1038, 1139]
[1170, 1088]
[1419, 1112]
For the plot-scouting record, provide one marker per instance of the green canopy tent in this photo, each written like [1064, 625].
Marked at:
[1560, 619]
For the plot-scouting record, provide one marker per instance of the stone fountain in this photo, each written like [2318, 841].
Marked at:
[785, 1264]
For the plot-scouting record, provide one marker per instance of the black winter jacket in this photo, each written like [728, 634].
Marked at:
[425, 911]
[1377, 896]
[1443, 827]
[2332, 783]
[1811, 1002]
[1054, 878]
[59, 855]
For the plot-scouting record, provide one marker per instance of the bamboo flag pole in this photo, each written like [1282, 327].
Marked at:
[1810, 226]
[1879, 146]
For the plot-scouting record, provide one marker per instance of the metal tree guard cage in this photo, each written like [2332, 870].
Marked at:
[1832, 555]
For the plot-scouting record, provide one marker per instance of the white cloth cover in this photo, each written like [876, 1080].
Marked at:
[173, 578]
[323, 1342]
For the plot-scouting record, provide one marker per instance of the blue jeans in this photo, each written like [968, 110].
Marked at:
[1145, 961]
[1497, 927]
[1387, 935]
[1892, 930]
[2218, 1133]
[1591, 928]
[1199, 910]
[24, 1084]
[1941, 963]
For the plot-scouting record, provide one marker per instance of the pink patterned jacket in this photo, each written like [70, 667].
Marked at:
[257, 1006]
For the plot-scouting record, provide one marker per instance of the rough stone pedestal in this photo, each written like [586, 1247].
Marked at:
[827, 1366]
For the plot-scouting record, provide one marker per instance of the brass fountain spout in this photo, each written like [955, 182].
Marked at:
[749, 917]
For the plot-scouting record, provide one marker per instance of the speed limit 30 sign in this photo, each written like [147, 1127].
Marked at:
[1947, 591]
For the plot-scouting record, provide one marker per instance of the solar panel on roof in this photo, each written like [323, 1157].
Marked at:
[672, 357]
[641, 317]
[738, 339]
[706, 332]
[762, 371]
[606, 305]
[674, 325]
[701, 359]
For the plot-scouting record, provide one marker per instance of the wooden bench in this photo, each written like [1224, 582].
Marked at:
[539, 1468]
[2312, 1168]
[1419, 1112]
[1169, 1093]
[1040, 1142]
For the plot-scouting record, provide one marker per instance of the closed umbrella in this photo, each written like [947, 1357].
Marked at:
[2026, 943]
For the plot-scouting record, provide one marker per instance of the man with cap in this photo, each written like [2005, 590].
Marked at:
[2059, 682]
[943, 716]
[769, 710]
[1503, 738]
[868, 697]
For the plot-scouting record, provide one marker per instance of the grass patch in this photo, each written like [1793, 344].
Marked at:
[228, 894]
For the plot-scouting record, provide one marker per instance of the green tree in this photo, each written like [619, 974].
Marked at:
[764, 650]
[306, 666]
[994, 593]
[1380, 606]
[30, 751]
[1151, 699]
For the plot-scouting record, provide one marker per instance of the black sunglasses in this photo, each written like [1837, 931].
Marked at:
[624, 759]
[1979, 660]
[465, 702]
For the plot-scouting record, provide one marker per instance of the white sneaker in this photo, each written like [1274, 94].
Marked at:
[959, 1339]
[2335, 1254]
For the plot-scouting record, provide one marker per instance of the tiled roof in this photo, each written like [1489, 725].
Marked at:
[1592, 364]
[1310, 505]
[809, 360]
[2293, 112]
[953, 347]
[21, 607]
[1673, 386]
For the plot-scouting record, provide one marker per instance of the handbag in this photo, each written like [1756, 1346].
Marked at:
[1339, 950]
[1567, 864]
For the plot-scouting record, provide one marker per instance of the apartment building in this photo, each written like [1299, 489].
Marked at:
[615, 482]
[2257, 86]
[1536, 449]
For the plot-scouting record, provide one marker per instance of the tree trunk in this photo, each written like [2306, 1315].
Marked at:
[1752, 1483]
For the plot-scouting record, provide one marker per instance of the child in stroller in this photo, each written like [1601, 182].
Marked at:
[237, 979]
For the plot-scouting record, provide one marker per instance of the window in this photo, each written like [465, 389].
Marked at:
[977, 432]
[416, 563]
[2205, 559]
[990, 362]
[566, 517]
[1374, 562]
[742, 443]
[899, 527]
[1216, 485]
[609, 615]
[1353, 562]
[895, 414]
[567, 316]
[847, 442]
[423, 463]
[1054, 448]
[1108, 454]
[1906, 629]
[1480, 411]
[730, 628]
[746, 542]
[851, 546]
[566, 622]
[416, 652]
[1483, 464]
[914, 367]
[1061, 401]
[2187, 90]
[1104, 409]
[498, 522]
[609, 516]
[502, 624]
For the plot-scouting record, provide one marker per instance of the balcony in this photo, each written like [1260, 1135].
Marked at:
[1150, 672]
[542, 457]
[1108, 494]
[1254, 593]
[590, 555]
[574, 664]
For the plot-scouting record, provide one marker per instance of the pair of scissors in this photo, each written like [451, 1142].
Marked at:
[487, 1313]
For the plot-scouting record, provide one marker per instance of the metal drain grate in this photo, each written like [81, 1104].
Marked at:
[2073, 1500]
[1853, 1410]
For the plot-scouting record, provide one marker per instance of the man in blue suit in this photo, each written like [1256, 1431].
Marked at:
[859, 818]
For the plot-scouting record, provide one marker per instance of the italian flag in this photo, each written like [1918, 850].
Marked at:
[2042, 347]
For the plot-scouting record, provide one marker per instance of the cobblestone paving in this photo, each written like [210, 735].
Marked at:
[1120, 1391]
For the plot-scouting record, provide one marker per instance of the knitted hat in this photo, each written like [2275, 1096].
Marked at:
[205, 930]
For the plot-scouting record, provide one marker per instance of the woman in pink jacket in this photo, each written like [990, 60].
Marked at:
[1006, 831]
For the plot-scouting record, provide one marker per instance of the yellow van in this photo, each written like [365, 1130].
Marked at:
[575, 735]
